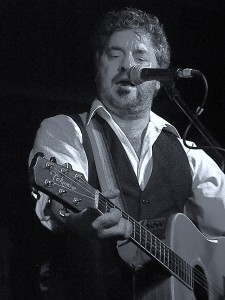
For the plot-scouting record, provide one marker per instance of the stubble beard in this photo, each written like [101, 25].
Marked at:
[125, 104]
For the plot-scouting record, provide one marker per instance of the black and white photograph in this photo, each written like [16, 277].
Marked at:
[113, 150]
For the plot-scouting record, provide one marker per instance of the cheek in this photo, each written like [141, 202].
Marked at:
[106, 76]
[148, 87]
[108, 68]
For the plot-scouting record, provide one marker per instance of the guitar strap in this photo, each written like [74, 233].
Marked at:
[103, 160]
[107, 174]
[108, 178]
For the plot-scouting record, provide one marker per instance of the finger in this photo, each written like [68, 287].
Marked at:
[122, 230]
[111, 194]
[107, 220]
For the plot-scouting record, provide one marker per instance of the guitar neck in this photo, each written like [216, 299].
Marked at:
[153, 246]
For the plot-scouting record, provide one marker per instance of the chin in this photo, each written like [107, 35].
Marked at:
[125, 101]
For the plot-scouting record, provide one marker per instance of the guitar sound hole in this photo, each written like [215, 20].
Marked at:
[200, 284]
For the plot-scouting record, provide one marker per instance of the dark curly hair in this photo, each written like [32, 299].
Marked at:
[132, 18]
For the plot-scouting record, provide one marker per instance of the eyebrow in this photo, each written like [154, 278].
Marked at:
[138, 50]
[114, 48]
[141, 49]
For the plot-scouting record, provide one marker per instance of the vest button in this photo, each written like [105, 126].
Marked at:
[145, 201]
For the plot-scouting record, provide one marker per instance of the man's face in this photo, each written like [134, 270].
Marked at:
[125, 49]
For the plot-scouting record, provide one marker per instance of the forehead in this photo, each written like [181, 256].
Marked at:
[130, 39]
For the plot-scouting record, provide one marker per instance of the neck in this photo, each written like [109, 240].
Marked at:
[134, 129]
[131, 124]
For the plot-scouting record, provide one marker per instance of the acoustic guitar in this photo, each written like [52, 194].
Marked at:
[194, 262]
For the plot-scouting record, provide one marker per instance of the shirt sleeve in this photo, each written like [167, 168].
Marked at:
[206, 207]
[58, 137]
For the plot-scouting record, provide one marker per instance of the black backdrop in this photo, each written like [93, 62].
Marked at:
[47, 68]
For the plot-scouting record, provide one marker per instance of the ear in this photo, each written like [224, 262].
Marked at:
[157, 87]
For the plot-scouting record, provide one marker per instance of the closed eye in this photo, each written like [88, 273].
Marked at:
[114, 53]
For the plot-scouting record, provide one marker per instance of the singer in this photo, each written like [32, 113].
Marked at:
[143, 244]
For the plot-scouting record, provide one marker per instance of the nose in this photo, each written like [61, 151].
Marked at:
[126, 63]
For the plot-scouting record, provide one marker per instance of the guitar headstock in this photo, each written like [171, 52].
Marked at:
[62, 184]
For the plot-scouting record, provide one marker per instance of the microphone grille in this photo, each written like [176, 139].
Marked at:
[134, 75]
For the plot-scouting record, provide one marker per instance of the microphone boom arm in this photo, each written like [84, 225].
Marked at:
[174, 95]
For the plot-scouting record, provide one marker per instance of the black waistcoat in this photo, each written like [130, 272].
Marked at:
[94, 270]
[169, 185]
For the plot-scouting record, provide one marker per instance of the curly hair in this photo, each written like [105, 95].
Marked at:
[132, 18]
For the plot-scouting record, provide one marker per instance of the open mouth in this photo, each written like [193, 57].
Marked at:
[125, 82]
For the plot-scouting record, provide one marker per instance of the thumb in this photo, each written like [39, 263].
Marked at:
[111, 193]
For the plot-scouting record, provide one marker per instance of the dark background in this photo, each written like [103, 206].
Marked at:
[47, 68]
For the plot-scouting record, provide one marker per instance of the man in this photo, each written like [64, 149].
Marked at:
[156, 175]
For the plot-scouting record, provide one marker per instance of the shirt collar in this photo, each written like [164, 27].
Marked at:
[158, 122]
[98, 107]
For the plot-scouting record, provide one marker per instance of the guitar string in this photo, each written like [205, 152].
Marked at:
[198, 276]
[200, 280]
[84, 184]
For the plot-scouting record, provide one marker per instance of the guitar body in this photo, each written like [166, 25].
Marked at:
[206, 256]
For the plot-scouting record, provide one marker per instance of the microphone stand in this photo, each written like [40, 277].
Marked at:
[174, 95]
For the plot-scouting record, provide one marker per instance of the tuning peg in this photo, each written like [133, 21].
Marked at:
[65, 168]
[53, 159]
[68, 166]
[64, 212]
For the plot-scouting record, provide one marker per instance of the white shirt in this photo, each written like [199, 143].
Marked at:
[60, 137]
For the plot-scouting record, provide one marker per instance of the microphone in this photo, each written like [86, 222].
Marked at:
[138, 74]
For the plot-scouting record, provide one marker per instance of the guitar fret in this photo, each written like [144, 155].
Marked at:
[146, 238]
[163, 254]
[101, 206]
[186, 272]
[171, 266]
[158, 249]
[166, 257]
[188, 275]
[191, 278]
[142, 230]
[134, 230]
[189, 271]
[106, 206]
[183, 269]
[176, 265]
[154, 246]
[179, 266]
[149, 242]
[137, 233]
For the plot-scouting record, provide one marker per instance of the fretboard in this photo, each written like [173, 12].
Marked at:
[153, 246]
